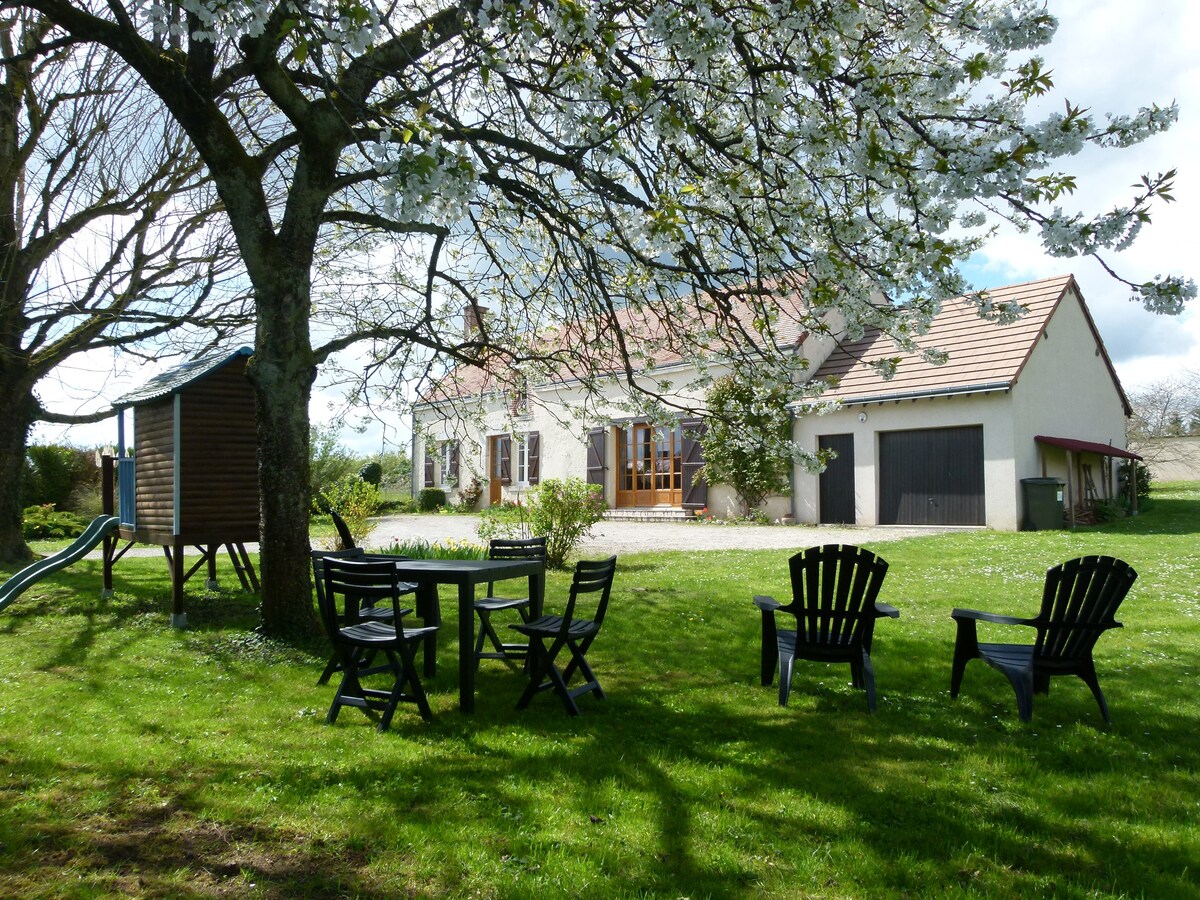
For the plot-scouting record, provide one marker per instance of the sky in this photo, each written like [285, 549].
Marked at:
[1108, 56]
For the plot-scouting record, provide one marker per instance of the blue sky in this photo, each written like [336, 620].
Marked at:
[1108, 56]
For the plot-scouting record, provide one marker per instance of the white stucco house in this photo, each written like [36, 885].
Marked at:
[935, 445]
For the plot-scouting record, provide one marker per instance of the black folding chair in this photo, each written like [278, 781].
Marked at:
[501, 548]
[357, 582]
[571, 631]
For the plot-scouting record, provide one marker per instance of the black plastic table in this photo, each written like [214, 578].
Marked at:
[466, 574]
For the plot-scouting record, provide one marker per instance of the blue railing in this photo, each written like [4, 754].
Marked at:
[126, 490]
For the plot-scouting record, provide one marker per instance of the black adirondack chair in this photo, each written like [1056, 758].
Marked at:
[571, 631]
[834, 591]
[1079, 601]
[355, 582]
[502, 548]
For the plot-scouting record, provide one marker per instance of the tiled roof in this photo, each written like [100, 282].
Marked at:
[982, 355]
[593, 345]
[174, 380]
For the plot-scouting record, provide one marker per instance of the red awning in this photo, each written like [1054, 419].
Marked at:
[1086, 446]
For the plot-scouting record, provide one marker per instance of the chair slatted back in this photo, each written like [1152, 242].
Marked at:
[1079, 602]
[526, 548]
[513, 548]
[591, 577]
[834, 589]
[359, 582]
[318, 564]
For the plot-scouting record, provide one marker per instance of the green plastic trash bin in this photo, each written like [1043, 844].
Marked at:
[1043, 504]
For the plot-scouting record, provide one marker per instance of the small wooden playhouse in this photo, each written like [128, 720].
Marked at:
[189, 478]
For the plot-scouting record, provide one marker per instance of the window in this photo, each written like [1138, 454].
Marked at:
[449, 463]
[522, 459]
[518, 400]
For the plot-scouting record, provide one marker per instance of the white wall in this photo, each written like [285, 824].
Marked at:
[1066, 391]
[992, 411]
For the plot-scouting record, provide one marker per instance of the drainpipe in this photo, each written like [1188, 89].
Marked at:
[792, 463]
[412, 476]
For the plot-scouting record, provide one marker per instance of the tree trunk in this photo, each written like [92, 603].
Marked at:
[282, 371]
[14, 432]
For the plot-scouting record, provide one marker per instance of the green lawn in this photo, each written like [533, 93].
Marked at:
[137, 760]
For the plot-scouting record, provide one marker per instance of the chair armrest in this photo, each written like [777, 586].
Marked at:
[994, 618]
[766, 604]
[886, 609]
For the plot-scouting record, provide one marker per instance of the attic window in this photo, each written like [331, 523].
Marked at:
[518, 400]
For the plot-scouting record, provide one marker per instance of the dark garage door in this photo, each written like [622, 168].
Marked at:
[931, 477]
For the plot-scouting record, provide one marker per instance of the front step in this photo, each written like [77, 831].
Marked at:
[648, 514]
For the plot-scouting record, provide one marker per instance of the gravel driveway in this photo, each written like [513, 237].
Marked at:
[633, 537]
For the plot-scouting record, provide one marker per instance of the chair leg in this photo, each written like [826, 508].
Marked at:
[866, 673]
[487, 631]
[786, 662]
[1041, 683]
[553, 678]
[332, 666]
[591, 684]
[407, 676]
[1089, 678]
[540, 662]
[349, 686]
[1022, 682]
[966, 648]
[770, 648]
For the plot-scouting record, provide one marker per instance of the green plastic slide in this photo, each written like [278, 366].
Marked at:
[84, 544]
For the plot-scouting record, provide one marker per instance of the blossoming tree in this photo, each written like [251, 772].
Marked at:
[107, 224]
[566, 160]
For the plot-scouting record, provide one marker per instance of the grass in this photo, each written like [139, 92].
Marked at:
[137, 760]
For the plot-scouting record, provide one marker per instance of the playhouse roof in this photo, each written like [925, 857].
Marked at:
[175, 380]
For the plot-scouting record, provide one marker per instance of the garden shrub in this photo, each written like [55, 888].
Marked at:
[44, 522]
[371, 473]
[503, 520]
[1144, 477]
[469, 495]
[564, 511]
[355, 501]
[431, 499]
[55, 475]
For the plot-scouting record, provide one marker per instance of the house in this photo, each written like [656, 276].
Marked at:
[490, 427]
[955, 443]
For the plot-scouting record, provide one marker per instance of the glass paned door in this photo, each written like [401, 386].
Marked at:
[651, 472]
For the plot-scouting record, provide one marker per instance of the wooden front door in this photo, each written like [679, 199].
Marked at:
[496, 467]
[650, 466]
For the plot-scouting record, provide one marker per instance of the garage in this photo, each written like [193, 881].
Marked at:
[931, 476]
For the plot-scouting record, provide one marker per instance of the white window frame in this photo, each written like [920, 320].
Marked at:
[521, 458]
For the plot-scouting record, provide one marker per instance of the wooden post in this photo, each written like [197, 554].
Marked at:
[107, 505]
[1071, 488]
[212, 550]
[1133, 486]
[178, 616]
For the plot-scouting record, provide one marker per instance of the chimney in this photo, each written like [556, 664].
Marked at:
[473, 315]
